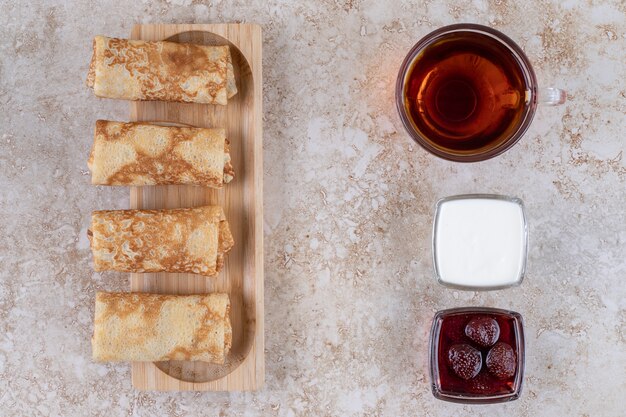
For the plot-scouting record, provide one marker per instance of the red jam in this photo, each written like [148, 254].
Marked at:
[478, 357]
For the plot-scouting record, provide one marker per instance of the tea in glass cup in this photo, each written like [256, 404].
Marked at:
[468, 93]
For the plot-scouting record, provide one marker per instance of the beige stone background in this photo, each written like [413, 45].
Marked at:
[348, 207]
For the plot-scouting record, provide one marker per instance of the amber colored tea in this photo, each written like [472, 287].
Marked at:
[466, 92]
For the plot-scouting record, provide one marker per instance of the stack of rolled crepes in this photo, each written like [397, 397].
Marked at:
[152, 327]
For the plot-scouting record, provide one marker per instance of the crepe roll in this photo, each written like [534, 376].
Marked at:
[192, 240]
[147, 154]
[158, 327]
[163, 71]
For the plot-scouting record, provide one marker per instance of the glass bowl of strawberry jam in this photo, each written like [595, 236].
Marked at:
[477, 355]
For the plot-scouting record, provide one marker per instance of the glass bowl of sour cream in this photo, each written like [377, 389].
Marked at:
[480, 241]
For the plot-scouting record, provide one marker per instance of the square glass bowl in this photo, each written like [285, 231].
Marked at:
[450, 341]
[480, 241]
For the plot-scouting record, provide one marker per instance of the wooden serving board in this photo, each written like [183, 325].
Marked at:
[242, 276]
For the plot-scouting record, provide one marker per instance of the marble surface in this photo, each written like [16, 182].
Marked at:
[348, 207]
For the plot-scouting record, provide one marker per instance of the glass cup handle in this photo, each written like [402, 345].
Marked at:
[552, 96]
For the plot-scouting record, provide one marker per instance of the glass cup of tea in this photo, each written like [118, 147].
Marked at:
[467, 93]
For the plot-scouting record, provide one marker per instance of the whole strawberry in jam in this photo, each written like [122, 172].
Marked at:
[465, 360]
[483, 331]
[501, 361]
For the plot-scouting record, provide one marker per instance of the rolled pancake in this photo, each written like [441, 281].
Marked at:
[158, 327]
[164, 71]
[146, 154]
[192, 240]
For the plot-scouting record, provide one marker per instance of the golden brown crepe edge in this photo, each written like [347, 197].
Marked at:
[91, 75]
[228, 331]
[93, 149]
[229, 170]
[225, 242]
[231, 82]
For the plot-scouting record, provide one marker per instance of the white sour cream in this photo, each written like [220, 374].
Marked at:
[480, 242]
